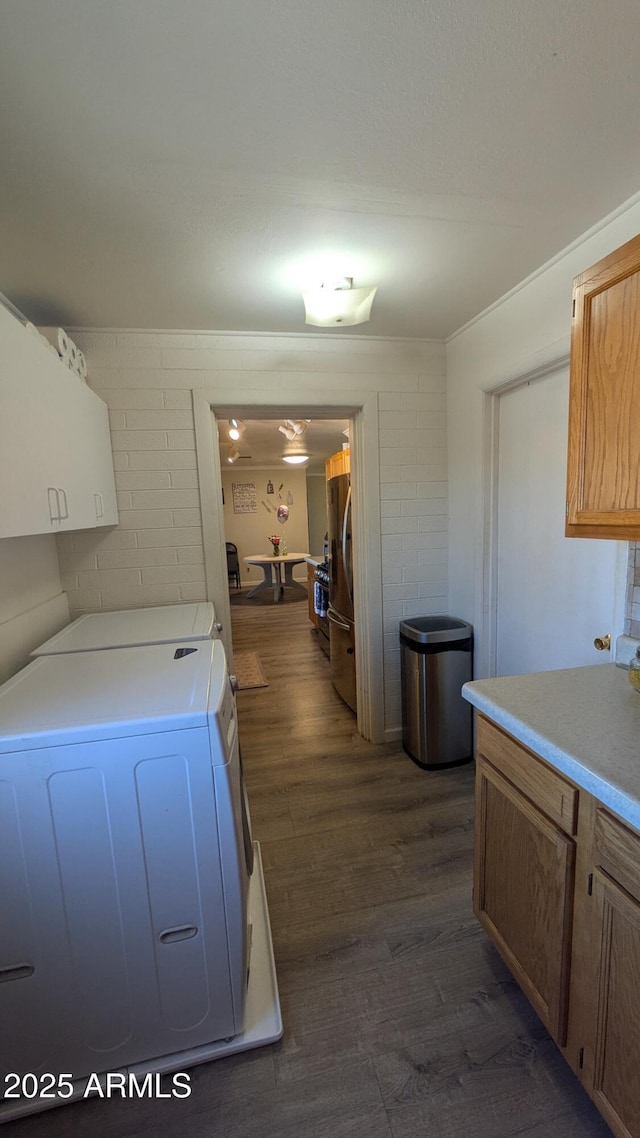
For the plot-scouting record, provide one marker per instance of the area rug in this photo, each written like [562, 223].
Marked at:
[248, 670]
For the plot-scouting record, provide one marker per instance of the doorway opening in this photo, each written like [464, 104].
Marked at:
[275, 519]
[362, 413]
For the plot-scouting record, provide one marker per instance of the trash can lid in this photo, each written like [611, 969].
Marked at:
[435, 629]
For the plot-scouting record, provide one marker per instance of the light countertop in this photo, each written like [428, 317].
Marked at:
[584, 721]
[317, 561]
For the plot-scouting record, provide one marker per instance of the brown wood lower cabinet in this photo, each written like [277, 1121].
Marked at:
[527, 910]
[557, 888]
[616, 1030]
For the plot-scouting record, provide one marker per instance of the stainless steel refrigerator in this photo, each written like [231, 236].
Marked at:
[341, 626]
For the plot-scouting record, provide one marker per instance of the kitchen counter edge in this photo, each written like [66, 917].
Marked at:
[585, 722]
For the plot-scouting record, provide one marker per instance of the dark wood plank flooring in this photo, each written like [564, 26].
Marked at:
[400, 1019]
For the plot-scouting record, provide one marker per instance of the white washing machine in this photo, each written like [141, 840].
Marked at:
[161, 624]
[130, 915]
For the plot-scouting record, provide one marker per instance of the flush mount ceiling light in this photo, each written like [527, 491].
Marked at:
[295, 459]
[338, 304]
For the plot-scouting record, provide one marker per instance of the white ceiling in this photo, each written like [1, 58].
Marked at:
[262, 444]
[189, 163]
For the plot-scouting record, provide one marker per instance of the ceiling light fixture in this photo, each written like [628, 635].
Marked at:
[233, 454]
[293, 428]
[236, 427]
[295, 459]
[338, 304]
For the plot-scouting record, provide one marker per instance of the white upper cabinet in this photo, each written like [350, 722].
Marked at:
[56, 466]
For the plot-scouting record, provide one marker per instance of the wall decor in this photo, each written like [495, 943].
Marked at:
[282, 514]
[269, 487]
[244, 498]
[266, 506]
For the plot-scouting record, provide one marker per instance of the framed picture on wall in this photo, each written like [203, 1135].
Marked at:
[245, 500]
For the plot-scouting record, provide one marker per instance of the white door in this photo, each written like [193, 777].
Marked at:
[554, 594]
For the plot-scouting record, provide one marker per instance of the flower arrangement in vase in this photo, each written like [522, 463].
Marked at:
[275, 541]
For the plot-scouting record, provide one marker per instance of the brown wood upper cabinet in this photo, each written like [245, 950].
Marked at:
[339, 463]
[603, 466]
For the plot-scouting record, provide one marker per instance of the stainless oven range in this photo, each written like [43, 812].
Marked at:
[321, 604]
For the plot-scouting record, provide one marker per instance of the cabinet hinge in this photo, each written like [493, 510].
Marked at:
[590, 884]
[581, 1058]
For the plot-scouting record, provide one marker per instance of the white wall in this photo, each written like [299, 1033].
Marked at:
[528, 329]
[156, 553]
[250, 532]
[317, 510]
[32, 604]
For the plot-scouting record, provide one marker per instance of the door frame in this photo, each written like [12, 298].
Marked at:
[362, 409]
[487, 657]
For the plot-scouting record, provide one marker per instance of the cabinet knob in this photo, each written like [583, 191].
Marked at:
[603, 643]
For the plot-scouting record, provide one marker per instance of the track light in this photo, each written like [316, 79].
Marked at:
[233, 454]
[293, 428]
[236, 427]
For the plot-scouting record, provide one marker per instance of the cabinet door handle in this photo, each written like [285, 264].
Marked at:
[99, 504]
[54, 503]
[180, 932]
[16, 972]
[64, 516]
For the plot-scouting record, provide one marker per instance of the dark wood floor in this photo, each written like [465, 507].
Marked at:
[400, 1021]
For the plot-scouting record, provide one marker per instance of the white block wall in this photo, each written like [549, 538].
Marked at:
[155, 555]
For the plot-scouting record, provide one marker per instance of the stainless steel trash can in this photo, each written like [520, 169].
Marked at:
[436, 660]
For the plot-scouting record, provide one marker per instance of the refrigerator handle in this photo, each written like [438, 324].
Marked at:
[345, 561]
[334, 620]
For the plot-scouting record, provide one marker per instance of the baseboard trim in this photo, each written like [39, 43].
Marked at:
[392, 734]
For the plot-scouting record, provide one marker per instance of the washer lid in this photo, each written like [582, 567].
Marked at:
[434, 629]
[82, 697]
[162, 624]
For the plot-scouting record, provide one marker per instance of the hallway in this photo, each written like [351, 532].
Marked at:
[400, 1021]
[399, 1017]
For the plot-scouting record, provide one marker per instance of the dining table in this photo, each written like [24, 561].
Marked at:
[273, 577]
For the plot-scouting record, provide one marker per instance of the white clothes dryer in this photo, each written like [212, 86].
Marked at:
[130, 916]
[128, 628]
